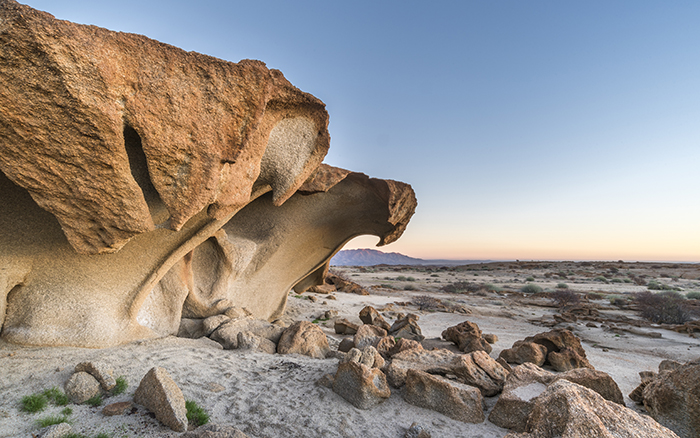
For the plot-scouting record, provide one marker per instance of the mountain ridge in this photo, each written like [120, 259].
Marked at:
[371, 257]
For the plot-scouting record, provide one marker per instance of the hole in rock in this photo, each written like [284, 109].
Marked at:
[139, 169]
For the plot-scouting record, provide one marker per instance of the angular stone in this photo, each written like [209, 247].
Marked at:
[368, 335]
[568, 410]
[467, 337]
[250, 341]
[404, 344]
[305, 338]
[567, 359]
[480, 370]
[455, 400]
[407, 328]
[360, 385]
[673, 398]
[522, 387]
[213, 322]
[81, 387]
[345, 327]
[346, 344]
[159, 393]
[490, 338]
[101, 371]
[525, 352]
[369, 315]
[433, 362]
[598, 381]
[227, 333]
[567, 347]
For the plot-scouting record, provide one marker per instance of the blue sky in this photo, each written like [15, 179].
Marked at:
[528, 129]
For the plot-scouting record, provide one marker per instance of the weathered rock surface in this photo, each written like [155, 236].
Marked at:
[368, 335]
[362, 386]
[417, 431]
[164, 162]
[369, 315]
[563, 351]
[227, 333]
[407, 328]
[159, 393]
[81, 387]
[458, 401]
[467, 336]
[433, 362]
[192, 328]
[55, 431]
[568, 410]
[673, 398]
[345, 327]
[116, 408]
[480, 370]
[100, 371]
[305, 338]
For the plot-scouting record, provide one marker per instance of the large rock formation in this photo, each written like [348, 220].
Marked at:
[140, 182]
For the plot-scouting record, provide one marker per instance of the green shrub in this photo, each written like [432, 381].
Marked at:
[601, 279]
[34, 403]
[694, 295]
[594, 296]
[67, 411]
[51, 420]
[401, 278]
[562, 286]
[492, 288]
[410, 287]
[434, 275]
[94, 400]
[565, 297]
[530, 279]
[196, 414]
[410, 279]
[387, 286]
[121, 386]
[531, 289]
[655, 285]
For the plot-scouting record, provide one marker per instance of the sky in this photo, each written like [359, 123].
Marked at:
[529, 130]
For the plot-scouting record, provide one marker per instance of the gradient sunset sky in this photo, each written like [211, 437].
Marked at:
[528, 129]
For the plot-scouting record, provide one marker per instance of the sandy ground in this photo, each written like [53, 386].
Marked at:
[276, 395]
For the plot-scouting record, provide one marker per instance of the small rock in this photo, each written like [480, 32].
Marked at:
[567, 359]
[408, 328]
[417, 431]
[81, 387]
[322, 289]
[467, 337]
[55, 430]
[404, 344]
[360, 385]
[247, 340]
[159, 393]
[346, 344]
[368, 334]
[369, 315]
[525, 352]
[116, 408]
[192, 328]
[101, 371]
[345, 327]
[311, 298]
[490, 338]
[305, 338]
[326, 381]
[330, 314]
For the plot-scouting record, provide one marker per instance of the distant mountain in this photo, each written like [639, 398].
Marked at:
[370, 257]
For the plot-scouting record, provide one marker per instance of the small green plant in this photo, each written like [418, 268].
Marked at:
[67, 411]
[51, 420]
[530, 279]
[95, 400]
[56, 396]
[693, 295]
[434, 275]
[317, 320]
[530, 289]
[196, 414]
[34, 403]
[601, 279]
[121, 386]
[562, 286]
[410, 287]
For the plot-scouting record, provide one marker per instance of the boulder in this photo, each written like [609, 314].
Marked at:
[250, 341]
[171, 184]
[100, 371]
[568, 410]
[210, 324]
[598, 381]
[227, 333]
[404, 344]
[433, 362]
[369, 315]
[362, 386]
[564, 351]
[407, 328]
[346, 344]
[455, 400]
[159, 393]
[522, 387]
[368, 335]
[386, 345]
[345, 327]
[673, 398]
[480, 370]
[304, 337]
[467, 336]
[81, 387]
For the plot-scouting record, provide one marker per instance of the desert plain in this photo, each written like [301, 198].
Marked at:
[274, 395]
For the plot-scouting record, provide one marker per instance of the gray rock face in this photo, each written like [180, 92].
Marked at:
[368, 334]
[362, 386]
[81, 387]
[250, 341]
[458, 401]
[227, 333]
[568, 410]
[192, 328]
[213, 322]
[159, 393]
[101, 371]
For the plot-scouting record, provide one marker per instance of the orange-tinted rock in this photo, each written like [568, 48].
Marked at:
[467, 336]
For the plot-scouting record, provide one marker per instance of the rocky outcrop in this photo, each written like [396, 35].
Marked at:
[362, 386]
[458, 401]
[568, 410]
[140, 183]
[560, 348]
